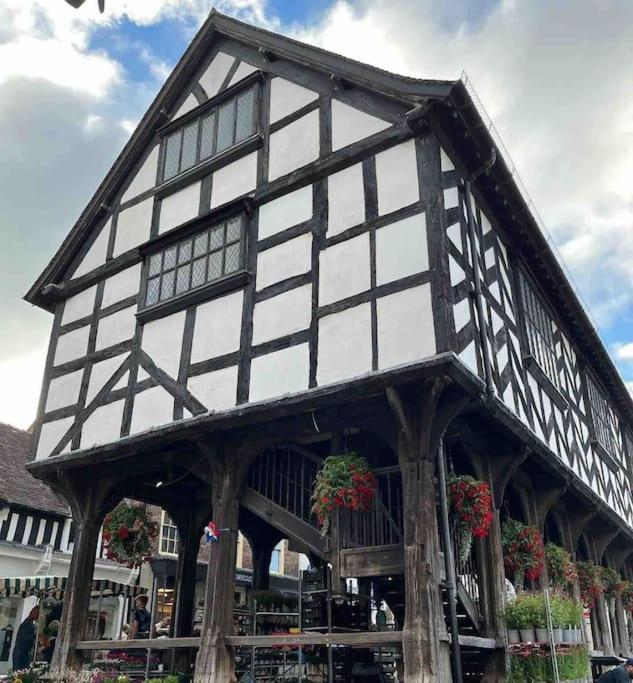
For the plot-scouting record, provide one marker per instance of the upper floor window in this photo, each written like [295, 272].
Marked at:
[539, 330]
[196, 260]
[602, 417]
[276, 564]
[168, 536]
[230, 122]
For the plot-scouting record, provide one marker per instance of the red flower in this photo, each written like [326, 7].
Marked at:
[123, 533]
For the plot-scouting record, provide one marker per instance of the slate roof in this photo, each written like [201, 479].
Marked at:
[17, 486]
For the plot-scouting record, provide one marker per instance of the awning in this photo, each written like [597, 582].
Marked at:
[54, 586]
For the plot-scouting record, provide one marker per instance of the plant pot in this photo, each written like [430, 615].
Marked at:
[542, 636]
[527, 635]
[578, 637]
[514, 636]
[558, 635]
[569, 635]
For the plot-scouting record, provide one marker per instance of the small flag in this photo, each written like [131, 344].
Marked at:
[211, 533]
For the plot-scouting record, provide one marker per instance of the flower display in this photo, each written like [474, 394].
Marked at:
[590, 580]
[470, 503]
[127, 534]
[560, 568]
[627, 596]
[612, 582]
[523, 551]
[345, 481]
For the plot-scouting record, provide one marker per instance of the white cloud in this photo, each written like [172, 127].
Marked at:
[625, 351]
[21, 379]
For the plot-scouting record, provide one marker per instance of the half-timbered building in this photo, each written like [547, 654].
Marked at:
[297, 254]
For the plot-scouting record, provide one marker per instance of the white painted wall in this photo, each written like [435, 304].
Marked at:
[234, 180]
[283, 372]
[282, 213]
[351, 125]
[145, 177]
[64, 390]
[346, 199]
[216, 72]
[397, 177]
[101, 372]
[103, 425]
[190, 103]
[79, 306]
[218, 327]
[286, 260]
[286, 97]
[405, 327]
[216, 390]
[162, 341]
[50, 435]
[294, 146]
[344, 270]
[401, 249]
[133, 226]
[116, 328]
[96, 254]
[179, 207]
[243, 70]
[152, 407]
[72, 345]
[282, 314]
[121, 286]
[344, 345]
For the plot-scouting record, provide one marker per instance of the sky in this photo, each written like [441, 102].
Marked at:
[554, 77]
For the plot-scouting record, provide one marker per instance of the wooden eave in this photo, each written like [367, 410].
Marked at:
[360, 75]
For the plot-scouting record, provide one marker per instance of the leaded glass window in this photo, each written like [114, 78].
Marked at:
[196, 260]
[224, 126]
[168, 536]
[602, 416]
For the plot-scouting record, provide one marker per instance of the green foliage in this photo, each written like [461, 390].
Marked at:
[560, 569]
[534, 664]
[127, 534]
[523, 612]
[528, 611]
[613, 583]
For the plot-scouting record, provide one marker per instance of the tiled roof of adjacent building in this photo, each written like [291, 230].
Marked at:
[17, 486]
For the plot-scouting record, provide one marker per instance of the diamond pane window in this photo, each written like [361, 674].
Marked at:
[224, 126]
[604, 419]
[191, 263]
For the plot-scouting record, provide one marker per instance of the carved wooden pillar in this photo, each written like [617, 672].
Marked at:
[422, 421]
[89, 500]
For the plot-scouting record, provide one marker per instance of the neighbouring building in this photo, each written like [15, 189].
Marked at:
[294, 256]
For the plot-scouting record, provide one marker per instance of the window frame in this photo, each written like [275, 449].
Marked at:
[202, 112]
[176, 541]
[593, 388]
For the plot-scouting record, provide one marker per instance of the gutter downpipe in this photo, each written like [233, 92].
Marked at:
[485, 350]
[449, 563]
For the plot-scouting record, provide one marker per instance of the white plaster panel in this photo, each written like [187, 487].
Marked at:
[133, 226]
[461, 313]
[282, 314]
[96, 254]
[451, 198]
[401, 249]
[216, 390]
[100, 373]
[116, 328]
[405, 327]
[179, 207]
[190, 103]
[344, 270]
[234, 180]
[218, 327]
[290, 258]
[445, 161]
[162, 341]
[346, 199]
[344, 345]
[152, 407]
[286, 97]
[397, 177]
[243, 70]
[288, 210]
[145, 177]
[350, 125]
[103, 425]
[121, 286]
[282, 372]
[216, 72]
[72, 345]
[294, 146]
[79, 306]
[50, 435]
[64, 390]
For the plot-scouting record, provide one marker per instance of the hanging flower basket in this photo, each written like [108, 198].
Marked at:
[612, 581]
[560, 568]
[127, 535]
[590, 580]
[470, 504]
[345, 481]
[627, 596]
[523, 551]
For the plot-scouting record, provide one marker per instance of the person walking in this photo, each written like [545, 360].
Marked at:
[25, 641]
[621, 674]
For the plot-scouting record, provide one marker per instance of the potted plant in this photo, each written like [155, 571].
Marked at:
[523, 551]
[512, 622]
[470, 503]
[540, 618]
[558, 611]
[526, 615]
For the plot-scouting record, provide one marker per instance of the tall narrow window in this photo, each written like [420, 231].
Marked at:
[224, 126]
[196, 260]
[168, 536]
[539, 330]
[603, 418]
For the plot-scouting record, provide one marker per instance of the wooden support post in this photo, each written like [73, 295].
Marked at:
[620, 621]
[422, 420]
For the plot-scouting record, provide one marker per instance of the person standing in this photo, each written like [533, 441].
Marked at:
[141, 619]
[25, 640]
[621, 674]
